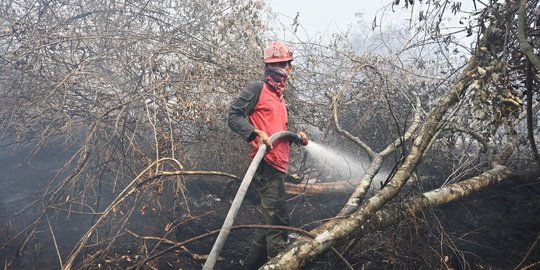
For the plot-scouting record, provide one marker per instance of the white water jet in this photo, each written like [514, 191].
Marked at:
[336, 163]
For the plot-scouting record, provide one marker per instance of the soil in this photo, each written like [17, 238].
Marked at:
[493, 229]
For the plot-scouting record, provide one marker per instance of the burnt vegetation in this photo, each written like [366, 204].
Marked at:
[115, 153]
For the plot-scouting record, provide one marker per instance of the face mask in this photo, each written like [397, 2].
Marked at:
[275, 77]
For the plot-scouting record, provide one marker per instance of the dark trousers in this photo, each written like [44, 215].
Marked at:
[270, 185]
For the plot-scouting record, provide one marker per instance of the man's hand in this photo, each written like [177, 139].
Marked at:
[263, 138]
[303, 137]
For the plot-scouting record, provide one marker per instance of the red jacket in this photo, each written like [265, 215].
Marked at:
[258, 107]
[270, 116]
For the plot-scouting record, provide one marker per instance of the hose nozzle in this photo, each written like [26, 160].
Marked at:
[298, 140]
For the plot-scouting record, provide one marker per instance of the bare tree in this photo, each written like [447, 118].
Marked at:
[138, 93]
[486, 89]
[137, 88]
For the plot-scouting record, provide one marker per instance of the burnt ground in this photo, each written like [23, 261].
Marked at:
[493, 229]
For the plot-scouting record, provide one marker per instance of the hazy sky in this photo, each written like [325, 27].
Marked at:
[326, 17]
[318, 16]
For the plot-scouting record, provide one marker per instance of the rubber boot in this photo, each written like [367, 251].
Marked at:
[257, 256]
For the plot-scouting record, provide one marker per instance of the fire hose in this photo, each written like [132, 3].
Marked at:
[235, 206]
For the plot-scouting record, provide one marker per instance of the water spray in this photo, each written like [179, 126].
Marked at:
[338, 163]
[235, 206]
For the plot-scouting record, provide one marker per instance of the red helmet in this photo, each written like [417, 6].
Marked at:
[277, 51]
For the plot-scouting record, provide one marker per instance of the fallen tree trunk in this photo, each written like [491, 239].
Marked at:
[390, 215]
[318, 188]
[300, 253]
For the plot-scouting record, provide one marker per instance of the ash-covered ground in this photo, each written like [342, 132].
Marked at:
[493, 229]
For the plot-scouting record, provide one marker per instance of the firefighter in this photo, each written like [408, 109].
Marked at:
[256, 114]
